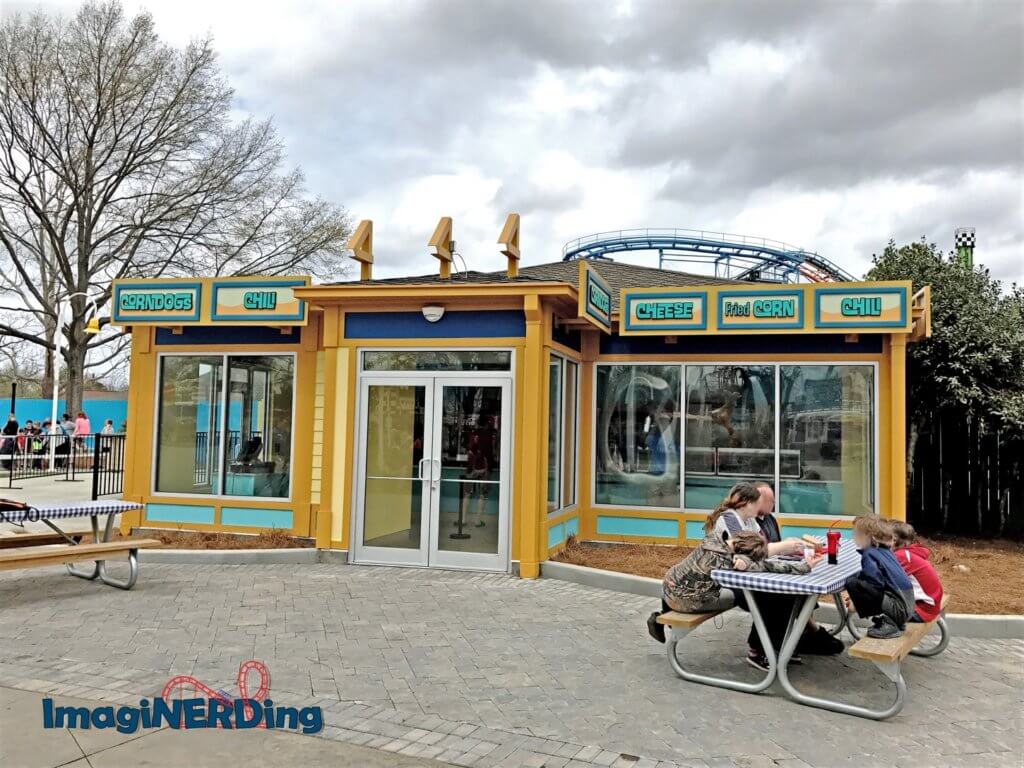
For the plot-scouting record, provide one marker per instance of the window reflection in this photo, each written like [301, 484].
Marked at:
[637, 445]
[827, 424]
[730, 429]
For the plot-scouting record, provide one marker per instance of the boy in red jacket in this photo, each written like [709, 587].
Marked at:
[914, 559]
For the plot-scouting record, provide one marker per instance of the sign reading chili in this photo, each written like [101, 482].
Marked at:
[882, 307]
[152, 302]
[258, 301]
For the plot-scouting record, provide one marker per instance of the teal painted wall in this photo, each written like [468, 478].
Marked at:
[637, 526]
[562, 531]
[256, 518]
[179, 513]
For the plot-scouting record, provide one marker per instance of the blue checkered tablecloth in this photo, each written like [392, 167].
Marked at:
[824, 579]
[69, 509]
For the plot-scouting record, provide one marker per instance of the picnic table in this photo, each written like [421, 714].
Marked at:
[30, 550]
[824, 579]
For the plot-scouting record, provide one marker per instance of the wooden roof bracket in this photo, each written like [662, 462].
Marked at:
[921, 314]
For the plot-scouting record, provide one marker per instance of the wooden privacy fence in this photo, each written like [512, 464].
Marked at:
[967, 480]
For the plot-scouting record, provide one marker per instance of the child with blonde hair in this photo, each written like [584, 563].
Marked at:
[881, 591]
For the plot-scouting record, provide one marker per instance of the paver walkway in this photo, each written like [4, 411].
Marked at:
[491, 670]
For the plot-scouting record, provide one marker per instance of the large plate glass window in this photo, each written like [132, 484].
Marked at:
[563, 407]
[257, 452]
[224, 425]
[637, 436]
[827, 440]
[730, 431]
[188, 424]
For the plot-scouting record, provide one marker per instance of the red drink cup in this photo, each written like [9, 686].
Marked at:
[833, 547]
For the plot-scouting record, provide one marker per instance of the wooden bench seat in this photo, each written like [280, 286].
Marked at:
[896, 648]
[38, 539]
[32, 557]
[686, 620]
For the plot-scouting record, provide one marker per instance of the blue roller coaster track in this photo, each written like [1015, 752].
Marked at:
[735, 257]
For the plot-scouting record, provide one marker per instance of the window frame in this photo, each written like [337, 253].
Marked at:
[157, 399]
[776, 363]
[561, 508]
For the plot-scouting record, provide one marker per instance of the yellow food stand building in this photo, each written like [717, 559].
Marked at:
[479, 419]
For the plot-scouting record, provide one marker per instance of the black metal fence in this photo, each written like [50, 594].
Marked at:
[108, 465]
[95, 458]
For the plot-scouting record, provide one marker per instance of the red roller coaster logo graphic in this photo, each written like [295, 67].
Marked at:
[187, 686]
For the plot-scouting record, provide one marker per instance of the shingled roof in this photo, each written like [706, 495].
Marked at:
[617, 274]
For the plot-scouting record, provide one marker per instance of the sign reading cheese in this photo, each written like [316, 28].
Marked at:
[595, 302]
[760, 309]
[257, 300]
[171, 302]
[663, 311]
[861, 308]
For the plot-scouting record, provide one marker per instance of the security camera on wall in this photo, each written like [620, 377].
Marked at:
[432, 313]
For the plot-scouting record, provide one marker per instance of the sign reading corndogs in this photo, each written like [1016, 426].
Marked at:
[170, 302]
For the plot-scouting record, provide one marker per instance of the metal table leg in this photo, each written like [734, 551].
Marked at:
[133, 562]
[890, 669]
[678, 634]
[95, 537]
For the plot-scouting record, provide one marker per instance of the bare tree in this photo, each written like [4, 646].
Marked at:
[118, 158]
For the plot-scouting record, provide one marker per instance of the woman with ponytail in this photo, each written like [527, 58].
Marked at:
[737, 512]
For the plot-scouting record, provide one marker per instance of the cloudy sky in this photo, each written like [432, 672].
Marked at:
[834, 126]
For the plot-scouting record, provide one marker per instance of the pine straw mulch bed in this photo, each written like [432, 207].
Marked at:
[269, 539]
[992, 583]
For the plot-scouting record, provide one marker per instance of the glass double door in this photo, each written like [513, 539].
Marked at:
[433, 472]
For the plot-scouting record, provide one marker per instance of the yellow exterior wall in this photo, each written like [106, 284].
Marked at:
[142, 400]
[318, 430]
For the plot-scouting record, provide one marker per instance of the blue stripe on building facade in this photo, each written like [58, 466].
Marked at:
[722, 344]
[212, 335]
[503, 323]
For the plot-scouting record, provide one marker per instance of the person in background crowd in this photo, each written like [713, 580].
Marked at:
[108, 427]
[8, 443]
[82, 425]
[67, 426]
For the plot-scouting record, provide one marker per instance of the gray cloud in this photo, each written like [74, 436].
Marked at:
[700, 113]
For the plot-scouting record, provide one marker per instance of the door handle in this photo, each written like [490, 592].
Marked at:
[435, 478]
[419, 469]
